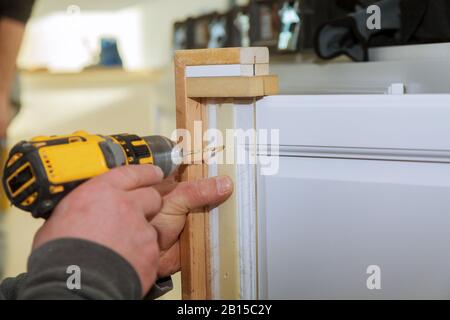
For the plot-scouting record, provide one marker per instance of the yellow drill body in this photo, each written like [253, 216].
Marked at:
[40, 172]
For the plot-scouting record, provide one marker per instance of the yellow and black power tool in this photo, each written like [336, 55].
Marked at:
[40, 172]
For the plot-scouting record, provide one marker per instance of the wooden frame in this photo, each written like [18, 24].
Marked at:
[399, 141]
[195, 239]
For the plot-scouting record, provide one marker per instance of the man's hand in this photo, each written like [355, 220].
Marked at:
[5, 116]
[131, 212]
[179, 200]
[113, 210]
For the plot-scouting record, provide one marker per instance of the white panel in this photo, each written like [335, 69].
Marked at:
[419, 122]
[231, 70]
[326, 220]
[246, 205]
[214, 219]
[242, 116]
[430, 75]
[440, 51]
[363, 180]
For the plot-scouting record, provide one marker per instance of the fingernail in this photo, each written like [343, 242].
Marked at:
[224, 185]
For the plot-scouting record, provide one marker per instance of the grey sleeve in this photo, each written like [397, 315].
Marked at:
[102, 274]
[10, 286]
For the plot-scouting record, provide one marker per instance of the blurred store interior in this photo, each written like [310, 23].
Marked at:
[106, 67]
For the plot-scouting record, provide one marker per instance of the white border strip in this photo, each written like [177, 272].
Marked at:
[230, 70]
[214, 220]
[246, 209]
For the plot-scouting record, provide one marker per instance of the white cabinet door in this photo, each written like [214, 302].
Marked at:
[361, 199]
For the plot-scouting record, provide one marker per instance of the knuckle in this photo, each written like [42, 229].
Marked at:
[156, 199]
[156, 171]
[124, 204]
[124, 175]
[128, 174]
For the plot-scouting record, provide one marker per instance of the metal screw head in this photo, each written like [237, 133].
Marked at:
[47, 204]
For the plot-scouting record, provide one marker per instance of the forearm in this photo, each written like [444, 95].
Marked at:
[103, 275]
[73, 269]
[11, 35]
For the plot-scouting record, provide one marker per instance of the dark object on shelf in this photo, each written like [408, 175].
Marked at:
[290, 25]
[238, 27]
[265, 23]
[404, 22]
[348, 5]
[183, 35]
[350, 35]
[201, 32]
[314, 13]
[207, 31]
[218, 28]
[425, 21]
[109, 53]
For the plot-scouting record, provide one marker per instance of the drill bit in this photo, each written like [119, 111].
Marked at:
[206, 153]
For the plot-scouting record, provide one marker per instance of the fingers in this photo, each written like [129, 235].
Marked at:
[169, 262]
[185, 198]
[169, 225]
[197, 194]
[148, 200]
[132, 177]
[166, 187]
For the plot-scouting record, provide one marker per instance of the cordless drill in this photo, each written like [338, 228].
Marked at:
[40, 172]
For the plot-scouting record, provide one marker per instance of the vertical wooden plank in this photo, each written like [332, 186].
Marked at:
[194, 242]
[195, 247]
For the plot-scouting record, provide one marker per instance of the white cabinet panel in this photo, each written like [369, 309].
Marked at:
[369, 121]
[363, 181]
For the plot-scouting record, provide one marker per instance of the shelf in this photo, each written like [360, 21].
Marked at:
[89, 76]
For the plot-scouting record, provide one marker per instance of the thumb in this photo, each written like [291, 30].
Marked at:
[193, 195]
[185, 198]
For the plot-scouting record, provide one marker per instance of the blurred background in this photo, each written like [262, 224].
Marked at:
[106, 67]
[67, 85]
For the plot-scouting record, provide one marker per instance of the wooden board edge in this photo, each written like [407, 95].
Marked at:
[238, 87]
[252, 55]
[193, 240]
